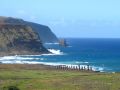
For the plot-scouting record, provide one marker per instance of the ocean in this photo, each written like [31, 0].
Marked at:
[101, 54]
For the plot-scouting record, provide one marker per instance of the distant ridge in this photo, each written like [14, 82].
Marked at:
[19, 37]
[19, 40]
[45, 33]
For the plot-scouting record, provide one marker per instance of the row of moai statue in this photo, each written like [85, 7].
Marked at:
[73, 67]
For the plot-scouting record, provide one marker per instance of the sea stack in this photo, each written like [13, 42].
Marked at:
[63, 42]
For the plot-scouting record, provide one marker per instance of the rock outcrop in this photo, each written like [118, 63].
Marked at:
[19, 39]
[46, 35]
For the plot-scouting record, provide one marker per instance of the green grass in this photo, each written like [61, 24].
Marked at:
[58, 80]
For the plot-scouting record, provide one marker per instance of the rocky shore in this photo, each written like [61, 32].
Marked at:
[19, 40]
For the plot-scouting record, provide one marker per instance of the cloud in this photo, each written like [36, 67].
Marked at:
[21, 12]
[25, 15]
[33, 17]
[60, 21]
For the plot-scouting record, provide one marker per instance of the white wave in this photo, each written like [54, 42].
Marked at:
[77, 62]
[28, 60]
[69, 46]
[7, 57]
[96, 68]
[55, 52]
[51, 43]
[19, 58]
[7, 61]
[11, 62]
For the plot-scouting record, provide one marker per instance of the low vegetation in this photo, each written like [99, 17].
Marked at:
[37, 77]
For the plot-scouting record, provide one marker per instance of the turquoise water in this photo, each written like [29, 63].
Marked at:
[101, 54]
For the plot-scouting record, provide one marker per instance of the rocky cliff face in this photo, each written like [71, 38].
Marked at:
[17, 39]
[46, 35]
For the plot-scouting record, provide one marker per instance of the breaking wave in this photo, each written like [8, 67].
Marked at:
[55, 52]
[51, 43]
[31, 60]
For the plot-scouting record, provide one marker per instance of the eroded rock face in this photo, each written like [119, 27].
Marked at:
[45, 33]
[19, 39]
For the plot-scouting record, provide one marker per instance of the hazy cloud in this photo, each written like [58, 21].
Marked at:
[61, 22]
[21, 12]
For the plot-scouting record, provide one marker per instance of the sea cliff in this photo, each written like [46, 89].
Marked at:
[45, 33]
[19, 39]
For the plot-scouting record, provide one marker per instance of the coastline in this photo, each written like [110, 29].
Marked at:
[35, 60]
[48, 67]
[44, 77]
[3, 54]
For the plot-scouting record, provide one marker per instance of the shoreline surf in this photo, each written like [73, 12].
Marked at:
[96, 54]
[35, 60]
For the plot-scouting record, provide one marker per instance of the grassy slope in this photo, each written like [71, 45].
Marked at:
[43, 79]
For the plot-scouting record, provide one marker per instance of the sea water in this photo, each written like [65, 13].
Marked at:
[101, 54]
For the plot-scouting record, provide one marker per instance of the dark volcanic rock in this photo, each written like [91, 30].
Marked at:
[46, 35]
[19, 39]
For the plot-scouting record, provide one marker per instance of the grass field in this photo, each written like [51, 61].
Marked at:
[37, 77]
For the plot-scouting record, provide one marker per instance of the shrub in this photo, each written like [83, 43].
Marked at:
[11, 88]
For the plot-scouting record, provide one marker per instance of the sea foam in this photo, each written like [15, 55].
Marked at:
[55, 52]
[51, 43]
[30, 60]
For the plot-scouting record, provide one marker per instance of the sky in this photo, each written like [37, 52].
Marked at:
[69, 18]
